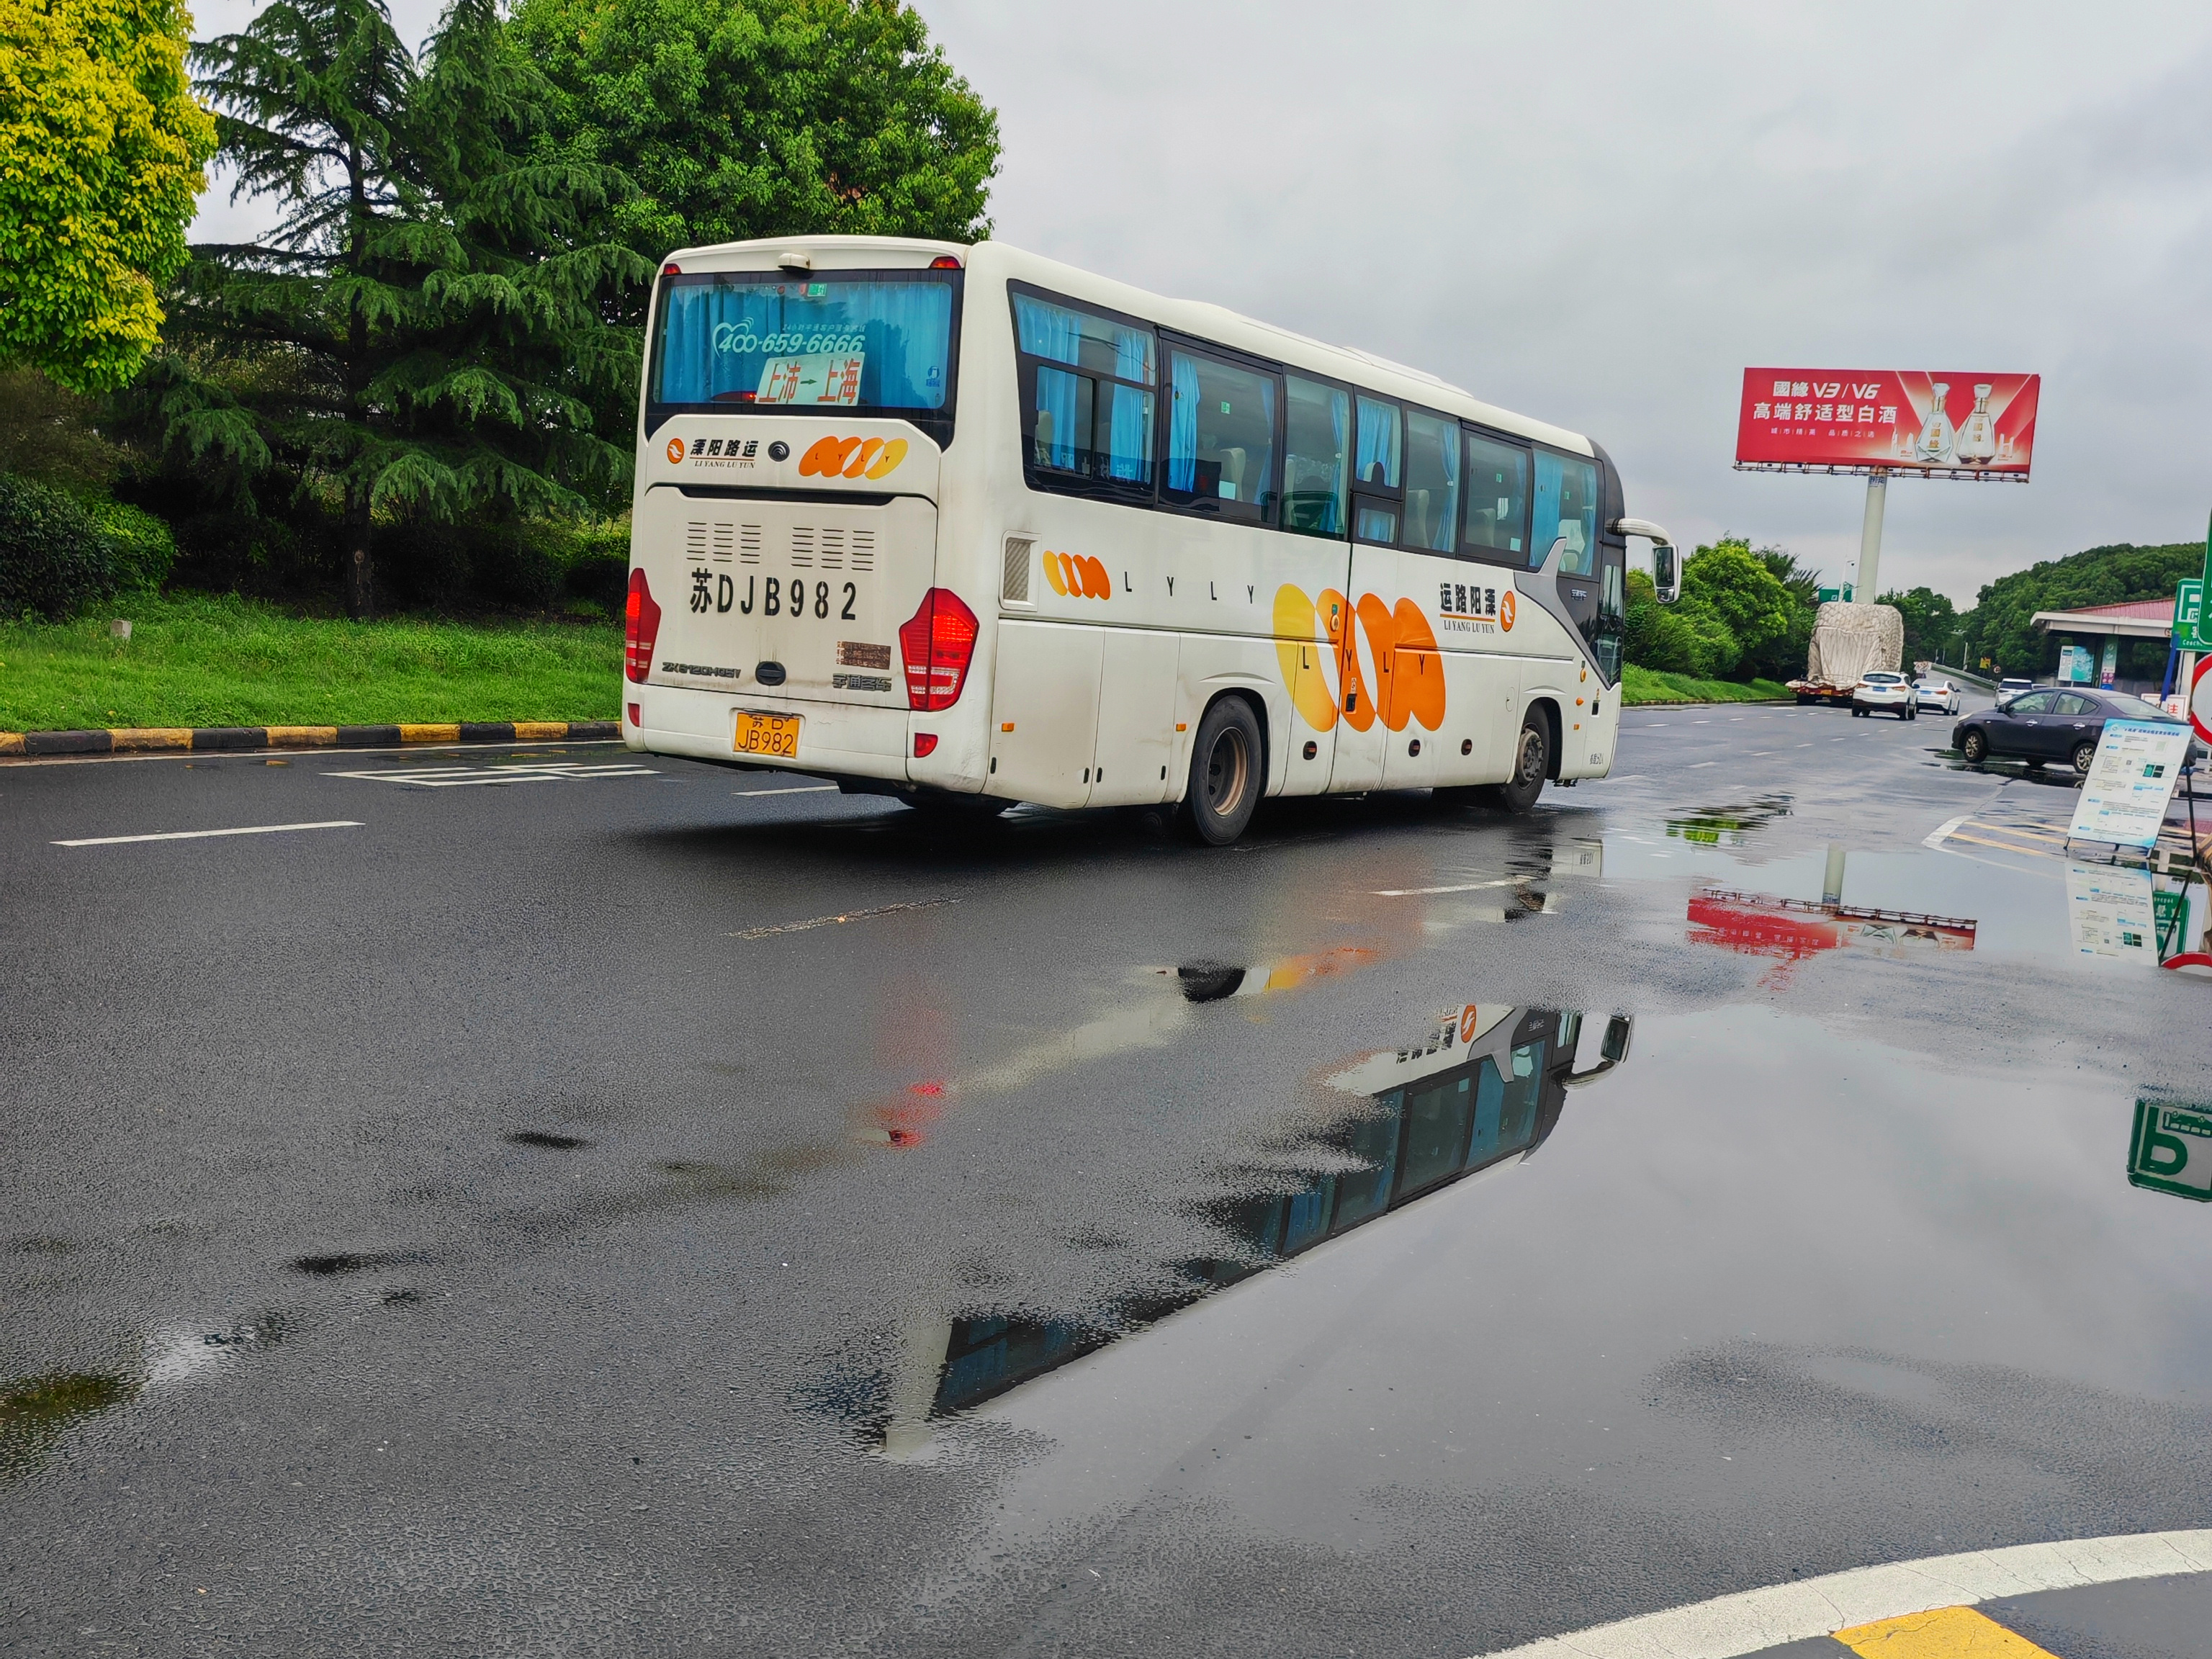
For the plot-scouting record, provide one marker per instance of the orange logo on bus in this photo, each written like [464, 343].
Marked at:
[1318, 643]
[675, 451]
[1505, 611]
[1078, 576]
[851, 458]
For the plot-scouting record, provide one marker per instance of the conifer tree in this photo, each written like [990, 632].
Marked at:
[426, 330]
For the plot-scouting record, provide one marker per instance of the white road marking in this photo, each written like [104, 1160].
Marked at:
[1457, 887]
[203, 834]
[1695, 764]
[800, 789]
[1804, 745]
[849, 915]
[453, 777]
[1756, 753]
[1944, 830]
[1730, 1625]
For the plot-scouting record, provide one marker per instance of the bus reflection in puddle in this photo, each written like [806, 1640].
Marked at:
[1486, 1086]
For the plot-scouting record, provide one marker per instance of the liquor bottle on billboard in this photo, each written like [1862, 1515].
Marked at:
[1977, 437]
[1938, 437]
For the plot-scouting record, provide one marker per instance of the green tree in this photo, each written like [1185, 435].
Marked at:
[1931, 623]
[1682, 638]
[2001, 626]
[426, 331]
[1729, 583]
[739, 118]
[101, 148]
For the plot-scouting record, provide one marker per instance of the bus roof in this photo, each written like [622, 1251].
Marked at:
[1207, 321]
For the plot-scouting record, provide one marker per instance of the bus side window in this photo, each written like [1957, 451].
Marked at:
[1317, 456]
[1432, 483]
[1379, 447]
[1566, 512]
[1088, 408]
[1497, 500]
[1221, 437]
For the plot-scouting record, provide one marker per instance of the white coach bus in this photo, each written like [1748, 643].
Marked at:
[972, 528]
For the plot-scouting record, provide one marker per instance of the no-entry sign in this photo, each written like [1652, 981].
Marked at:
[2200, 700]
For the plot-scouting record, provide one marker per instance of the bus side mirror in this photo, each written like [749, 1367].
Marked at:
[1666, 557]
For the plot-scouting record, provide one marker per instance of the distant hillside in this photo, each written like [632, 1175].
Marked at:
[1998, 625]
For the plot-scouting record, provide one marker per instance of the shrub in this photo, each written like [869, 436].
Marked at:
[53, 558]
[140, 548]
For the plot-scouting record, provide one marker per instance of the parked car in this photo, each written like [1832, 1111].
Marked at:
[2009, 688]
[1936, 697]
[2050, 724]
[1887, 690]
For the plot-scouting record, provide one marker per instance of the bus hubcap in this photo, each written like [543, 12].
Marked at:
[1225, 771]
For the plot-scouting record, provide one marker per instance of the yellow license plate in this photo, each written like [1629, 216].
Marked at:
[768, 734]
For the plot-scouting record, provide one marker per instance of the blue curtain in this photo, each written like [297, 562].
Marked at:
[1129, 437]
[1378, 442]
[1447, 527]
[1133, 355]
[1046, 330]
[1339, 415]
[1183, 426]
[1054, 425]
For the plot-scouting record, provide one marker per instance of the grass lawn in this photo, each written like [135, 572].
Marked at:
[195, 661]
[1644, 685]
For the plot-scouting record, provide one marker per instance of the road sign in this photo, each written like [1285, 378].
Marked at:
[2171, 1150]
[2124, 799]
[2200, 699]
[2189, 617]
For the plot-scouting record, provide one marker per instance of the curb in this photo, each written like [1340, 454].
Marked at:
[157, 739]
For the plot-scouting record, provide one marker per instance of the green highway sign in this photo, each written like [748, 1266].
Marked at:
[2189, 617]
[2170, 1151]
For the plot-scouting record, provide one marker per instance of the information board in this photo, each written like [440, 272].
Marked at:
[2124, 797]
[2111, 914]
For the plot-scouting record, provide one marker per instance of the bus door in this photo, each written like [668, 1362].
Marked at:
[1593, 565]
[1363, 671]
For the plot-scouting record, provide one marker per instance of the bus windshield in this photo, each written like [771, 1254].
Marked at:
[855, 342]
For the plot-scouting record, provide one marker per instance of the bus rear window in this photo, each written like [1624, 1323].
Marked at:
[860, 343]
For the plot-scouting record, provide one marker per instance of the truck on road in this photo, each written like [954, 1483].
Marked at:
[1849, 641]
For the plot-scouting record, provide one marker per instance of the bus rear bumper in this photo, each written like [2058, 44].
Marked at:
[860, 744]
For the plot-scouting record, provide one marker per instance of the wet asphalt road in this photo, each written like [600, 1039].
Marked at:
[618, 1208]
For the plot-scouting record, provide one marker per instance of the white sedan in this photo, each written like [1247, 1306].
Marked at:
[1936, 697]
[1887, 690]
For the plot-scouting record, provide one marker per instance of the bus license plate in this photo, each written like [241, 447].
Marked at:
[768, 734]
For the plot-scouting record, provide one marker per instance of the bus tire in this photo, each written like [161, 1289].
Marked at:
[1532, 764]
[1226, 773]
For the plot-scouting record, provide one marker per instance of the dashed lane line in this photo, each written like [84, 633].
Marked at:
[1842, 1605]
[207, 835]
[1942, 829]
[1694, 765]
[796, 789]
[832, 921]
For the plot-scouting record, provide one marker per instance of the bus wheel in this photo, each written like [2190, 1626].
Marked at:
[1224, 773]
[1532, 760]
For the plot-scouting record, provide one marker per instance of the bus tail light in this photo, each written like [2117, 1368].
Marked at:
[938, 643]
[640, 629]
[925, 744]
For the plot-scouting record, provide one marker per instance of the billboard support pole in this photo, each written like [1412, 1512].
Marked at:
[1870, 587]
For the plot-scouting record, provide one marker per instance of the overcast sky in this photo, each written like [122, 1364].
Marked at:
[1599, 215]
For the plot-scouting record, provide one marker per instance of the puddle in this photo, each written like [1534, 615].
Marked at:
[1485, 1088]
[36, 1412]
[1729, 826]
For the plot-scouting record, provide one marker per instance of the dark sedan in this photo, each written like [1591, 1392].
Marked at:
[2054, 724]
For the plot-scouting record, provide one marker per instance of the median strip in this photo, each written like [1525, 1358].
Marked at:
[230, 739]
[204, 834]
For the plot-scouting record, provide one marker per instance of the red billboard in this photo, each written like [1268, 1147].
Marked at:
[1936, 422]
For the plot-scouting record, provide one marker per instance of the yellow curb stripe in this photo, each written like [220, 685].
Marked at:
[1946, 1633]
[431, 734]
[540, 731]
[128, 739]
[11, 742]
[302, 737]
